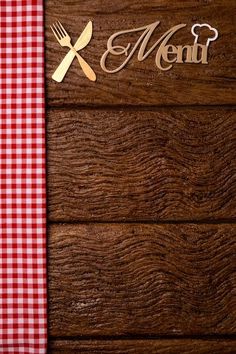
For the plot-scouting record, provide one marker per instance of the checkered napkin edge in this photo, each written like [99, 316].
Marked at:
[23, 295]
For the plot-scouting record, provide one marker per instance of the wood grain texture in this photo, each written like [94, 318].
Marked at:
[141, 83]
[143, 347]
[118, 279]
[175, 164]
[142, 163]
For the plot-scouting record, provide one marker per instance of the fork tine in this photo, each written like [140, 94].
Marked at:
[55, 34]
[59, 30]
[56, 30]
[62, 28]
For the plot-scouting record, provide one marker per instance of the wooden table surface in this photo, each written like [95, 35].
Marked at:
[142, 189]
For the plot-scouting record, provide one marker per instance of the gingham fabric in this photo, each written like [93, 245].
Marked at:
[22, 178]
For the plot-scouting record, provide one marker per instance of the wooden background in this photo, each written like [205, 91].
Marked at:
[142, 188]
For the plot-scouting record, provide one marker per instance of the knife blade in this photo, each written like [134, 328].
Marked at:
[81, 43]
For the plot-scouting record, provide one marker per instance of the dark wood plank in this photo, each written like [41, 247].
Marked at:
[143, 347]
[118, 279]
[125, 165]
[141, 83]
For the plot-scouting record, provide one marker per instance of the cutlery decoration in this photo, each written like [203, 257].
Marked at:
[65, 41]
[167, 54]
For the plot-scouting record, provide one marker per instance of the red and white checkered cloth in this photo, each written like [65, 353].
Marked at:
[22, 178]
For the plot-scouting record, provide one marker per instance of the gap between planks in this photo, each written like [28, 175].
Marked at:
[147, 222]
[146, 337]
[115, 107]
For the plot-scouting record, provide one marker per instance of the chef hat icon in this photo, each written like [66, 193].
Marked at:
[210, 39]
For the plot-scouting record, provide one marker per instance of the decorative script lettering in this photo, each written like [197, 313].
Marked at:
[167, 54]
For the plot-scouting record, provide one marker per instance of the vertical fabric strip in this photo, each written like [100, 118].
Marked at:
[22, 177]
